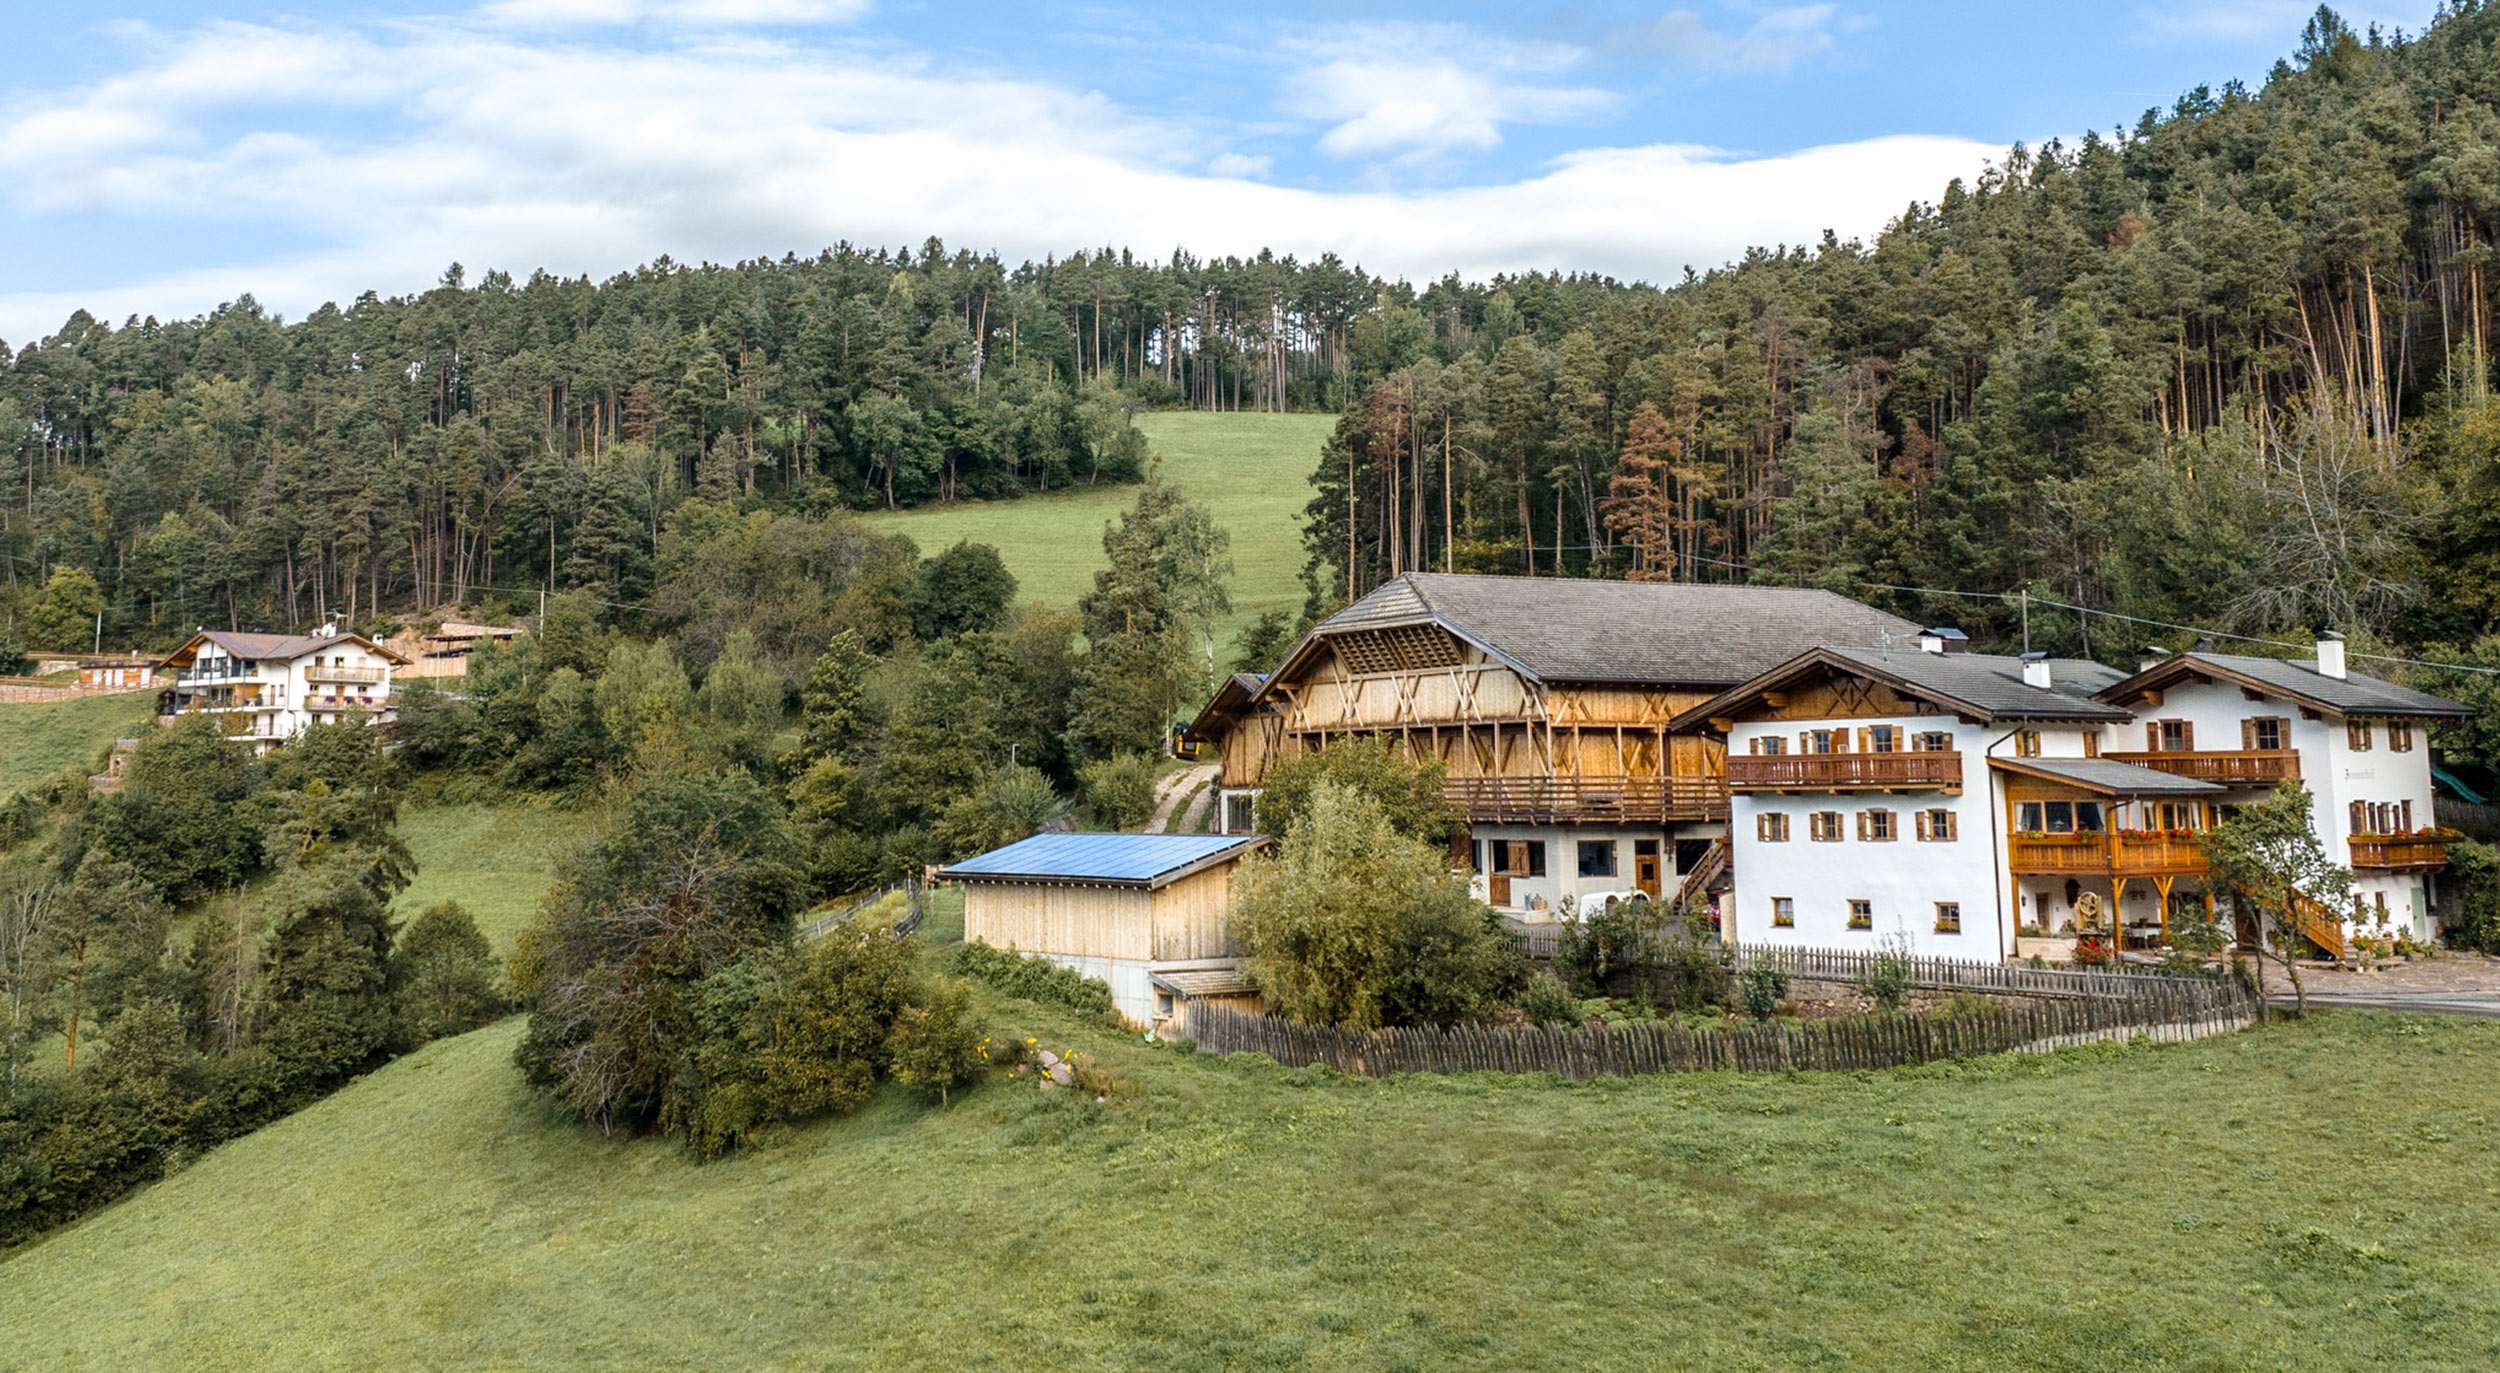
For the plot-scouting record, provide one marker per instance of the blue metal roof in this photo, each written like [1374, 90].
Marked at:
[1128, 858]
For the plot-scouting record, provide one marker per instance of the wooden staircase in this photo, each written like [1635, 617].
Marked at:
[2318, 925]
[1713, 867]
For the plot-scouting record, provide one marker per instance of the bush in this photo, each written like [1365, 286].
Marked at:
[1764, 990]
[1407, 790]
[1121, 790]
[1645, 946]
[1888, 978]
[1033, 978]
[1546, 1001]
[936, 1045]
[443, 979]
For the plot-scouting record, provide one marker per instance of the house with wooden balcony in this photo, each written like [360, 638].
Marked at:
[2358, 743]
[1551, 704]
[265, 689]
[1931, 796]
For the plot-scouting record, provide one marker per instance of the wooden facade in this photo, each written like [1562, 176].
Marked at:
[1184, 920]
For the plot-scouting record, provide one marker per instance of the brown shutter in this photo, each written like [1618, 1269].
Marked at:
[2187, 735]
[1923, 833]
[2248, 734]
[2405, 813]
[1805, 741]
[1861, 826]
[2360, 819]
[1865, 740]
[1952, 824]
[1517, 858]
[2152, 736]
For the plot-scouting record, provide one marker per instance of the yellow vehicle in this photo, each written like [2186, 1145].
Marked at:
[1184, 747]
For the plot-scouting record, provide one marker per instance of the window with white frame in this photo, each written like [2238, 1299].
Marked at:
[1783, 912]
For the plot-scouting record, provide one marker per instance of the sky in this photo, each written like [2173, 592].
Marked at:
[162, 159]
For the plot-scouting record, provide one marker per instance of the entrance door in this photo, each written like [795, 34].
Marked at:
[1498, 888]
[1645, 866]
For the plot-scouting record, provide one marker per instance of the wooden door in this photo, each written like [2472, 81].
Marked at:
[1645, 866]
[1499, 888]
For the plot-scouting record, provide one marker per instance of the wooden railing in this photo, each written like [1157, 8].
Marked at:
[2121, 854]
[2259, 767]
[1840, 771]
[318, 673]
[2400, 852]
[1530, 800]
[2320, 925]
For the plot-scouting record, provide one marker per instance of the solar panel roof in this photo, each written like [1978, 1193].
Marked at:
[1127, 858]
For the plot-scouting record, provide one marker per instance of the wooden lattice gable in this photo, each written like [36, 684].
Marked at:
[1817, 685]
[1397, 648]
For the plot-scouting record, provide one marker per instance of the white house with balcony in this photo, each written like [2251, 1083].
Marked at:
[265, 689]
[1977, 806]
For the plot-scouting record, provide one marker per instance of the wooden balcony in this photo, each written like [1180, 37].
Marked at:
[2107, 855]
[2400, 852]
[319, 673]
[2257, 767]
[1844, 772]
[1547, 800]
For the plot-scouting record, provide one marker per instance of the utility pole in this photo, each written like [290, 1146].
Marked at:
[2026, 596]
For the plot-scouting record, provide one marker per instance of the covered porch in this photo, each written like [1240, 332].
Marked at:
[2102, 855]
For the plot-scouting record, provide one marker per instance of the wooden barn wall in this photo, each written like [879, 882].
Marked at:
[1099, 922]
[1192, 917]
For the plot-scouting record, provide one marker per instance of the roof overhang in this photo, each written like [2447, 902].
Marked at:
[2169, 671]
[1249, 844]
[2107, 777]
[1727, 703]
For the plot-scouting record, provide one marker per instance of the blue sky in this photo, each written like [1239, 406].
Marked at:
[162, 158]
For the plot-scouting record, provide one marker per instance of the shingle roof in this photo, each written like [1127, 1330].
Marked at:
[2109, 775]
[1995, 684]
[1134, 860]
[2354, 693]
[1569, 630]
[281, 647]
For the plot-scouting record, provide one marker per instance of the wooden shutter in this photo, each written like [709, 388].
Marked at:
[1861, 826]
[1923, 833]
[2360, 819]
[2404, 813]
[1515, 860]
[2152, 736]
[2248, 734]
[1866, 743]
[2187, 736]
[1805, 741]
[1952, 824]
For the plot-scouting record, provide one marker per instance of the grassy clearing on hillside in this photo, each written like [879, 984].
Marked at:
[496, 860]
[2310, 1196]
[1252, 470]
[38, 739]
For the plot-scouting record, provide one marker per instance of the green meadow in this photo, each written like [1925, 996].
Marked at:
[496, 860]
[2312, 1196]
[39, 738]
[1252, 470]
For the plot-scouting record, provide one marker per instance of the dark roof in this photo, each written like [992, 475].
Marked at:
[1982, 685]
[2351, 694]
[2108, 775]
[278, 647]
[1238, 691]
[1128, 860]
[1561, 629]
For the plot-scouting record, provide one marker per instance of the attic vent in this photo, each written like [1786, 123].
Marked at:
[1412, 648]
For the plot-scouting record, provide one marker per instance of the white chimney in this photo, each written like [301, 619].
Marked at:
[1942, 639]
[2036, 670]
[2331, 655]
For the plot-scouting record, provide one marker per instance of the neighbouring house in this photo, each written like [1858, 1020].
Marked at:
[1148, 913]
[265, 689]
[116, 673]
[1980, 806]
[444, 652]
[1550, 703]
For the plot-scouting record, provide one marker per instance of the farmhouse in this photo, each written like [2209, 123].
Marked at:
[1992, 807]
[1550, 702]
[1147, 913]
[445, 651]
[267, 688]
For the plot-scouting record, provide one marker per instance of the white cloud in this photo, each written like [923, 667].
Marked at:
[1777, 41]
[1240, 165]
[1417, 91]
[689, 13]
[586, 159]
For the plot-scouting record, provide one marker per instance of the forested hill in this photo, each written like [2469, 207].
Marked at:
[2230, 366]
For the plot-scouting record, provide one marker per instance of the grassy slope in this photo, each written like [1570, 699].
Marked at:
[2191, 1207]
[495, 860]
[1252, 470]
[39, 739]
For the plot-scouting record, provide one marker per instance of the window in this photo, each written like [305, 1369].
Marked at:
[1597, 858]
[2400, 736]
[1783, 912]
[1882, 739]
[1877, 825]
[1820, 741]
[1767, 745]
[1824, 826]
[1931, 741]
[2357, 735]
[1937, 826]
[1519, 857]
[2169, 736]
[2382, 817]
[2173, 815]
[2058, 817]
[1861, 915]
[1240, 816]
[2026, 743]
[1163, 1003]
[2267, 734]
[1948, 917]
[1771, 829]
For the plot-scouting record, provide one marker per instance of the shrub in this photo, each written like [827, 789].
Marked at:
[1408, 791]
[1033, 978]
[442, 978]
[1121, 790]
[1764, 990]
[1546, 1001]
[936, 1046]
[1888, 978]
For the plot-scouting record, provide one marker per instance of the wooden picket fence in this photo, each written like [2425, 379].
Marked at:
[902, 927]
[2165, 1009]
[1947, 974]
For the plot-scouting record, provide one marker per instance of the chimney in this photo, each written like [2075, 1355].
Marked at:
[2331, 655]
[2149, 655]
[1943, 639]
[2036, 670]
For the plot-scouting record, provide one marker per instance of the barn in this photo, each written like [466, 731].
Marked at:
[1147, 913]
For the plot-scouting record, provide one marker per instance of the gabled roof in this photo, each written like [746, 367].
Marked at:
[1982, 686]
[2107, 776]
[274, 647]
[1118, 860]
[1560, 629]
[2295, 680]
[1230, 699]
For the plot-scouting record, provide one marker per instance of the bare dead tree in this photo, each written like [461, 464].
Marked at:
[2336, 528]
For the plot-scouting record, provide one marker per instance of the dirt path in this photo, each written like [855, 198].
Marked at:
[1171, 791]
